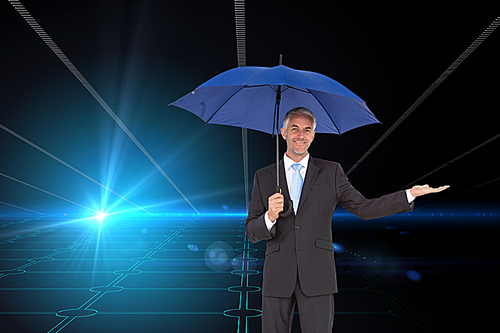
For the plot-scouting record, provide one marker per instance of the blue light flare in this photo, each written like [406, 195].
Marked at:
[414, 275]
[339, 248]
[100, 216]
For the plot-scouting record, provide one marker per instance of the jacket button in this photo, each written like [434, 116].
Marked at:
[296, 227]
[294, 251]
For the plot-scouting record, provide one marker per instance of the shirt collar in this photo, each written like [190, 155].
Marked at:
[288, 161]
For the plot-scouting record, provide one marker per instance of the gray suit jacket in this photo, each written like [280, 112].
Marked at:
[302, 244]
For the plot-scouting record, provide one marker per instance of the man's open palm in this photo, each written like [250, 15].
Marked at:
[419, 190]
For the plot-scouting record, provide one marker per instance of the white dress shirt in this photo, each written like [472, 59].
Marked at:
[289, 171]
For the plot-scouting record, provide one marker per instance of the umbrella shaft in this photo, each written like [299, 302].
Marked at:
[277, 160]
[278, 100]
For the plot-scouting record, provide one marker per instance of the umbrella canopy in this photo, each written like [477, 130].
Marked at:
[246, 97]
[250, 97]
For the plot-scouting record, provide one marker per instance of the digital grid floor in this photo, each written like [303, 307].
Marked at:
[179, 274]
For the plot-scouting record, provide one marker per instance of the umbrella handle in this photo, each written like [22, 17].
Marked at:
[289, 210]
[290, 205]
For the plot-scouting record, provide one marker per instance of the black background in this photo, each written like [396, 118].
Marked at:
[389, 54]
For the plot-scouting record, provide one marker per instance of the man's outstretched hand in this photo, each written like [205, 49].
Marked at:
[419, 190]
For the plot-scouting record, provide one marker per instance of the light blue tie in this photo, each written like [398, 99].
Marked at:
[297, 182]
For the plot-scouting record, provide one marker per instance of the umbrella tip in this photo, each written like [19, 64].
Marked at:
[281, 59]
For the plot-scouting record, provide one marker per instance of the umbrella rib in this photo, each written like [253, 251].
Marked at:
[333, 122]
[276, 109]
[305, 90]
[220, 107]
[258, 85]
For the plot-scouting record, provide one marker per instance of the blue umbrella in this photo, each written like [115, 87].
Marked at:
[250, 97]
[246, 96]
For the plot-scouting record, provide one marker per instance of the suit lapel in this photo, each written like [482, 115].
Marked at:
[311, 174]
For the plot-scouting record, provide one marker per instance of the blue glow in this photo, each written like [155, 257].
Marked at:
[338, 247]
[399, 222]
[100, 216]
[413, 275]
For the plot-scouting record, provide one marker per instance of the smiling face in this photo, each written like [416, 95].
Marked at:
[298, 135]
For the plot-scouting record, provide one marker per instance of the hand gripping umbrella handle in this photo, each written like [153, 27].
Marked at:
[290, 205]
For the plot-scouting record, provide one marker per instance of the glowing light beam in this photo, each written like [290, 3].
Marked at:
[29, 210]
[8, 130]
[52, 194]
[53, 46]
[100, 216]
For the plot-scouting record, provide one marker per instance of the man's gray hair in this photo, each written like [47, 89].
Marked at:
[298, 110]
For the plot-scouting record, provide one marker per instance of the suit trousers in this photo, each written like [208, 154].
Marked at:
[315, 313]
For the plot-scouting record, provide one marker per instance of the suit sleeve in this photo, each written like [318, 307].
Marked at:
[354, 202]
[255, 224]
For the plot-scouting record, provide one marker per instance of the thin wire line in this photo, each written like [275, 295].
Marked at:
[29, 210]
[461, 192]
[39, 189]
[453, 160]
[65, 164]
[53, 46]
[443, 76]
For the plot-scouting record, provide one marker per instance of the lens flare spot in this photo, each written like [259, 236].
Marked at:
[414, 276]
[218, 256]
[339, 248]
[100, 216]
[193, 247]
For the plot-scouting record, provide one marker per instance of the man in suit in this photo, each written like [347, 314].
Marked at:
[300, 265]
